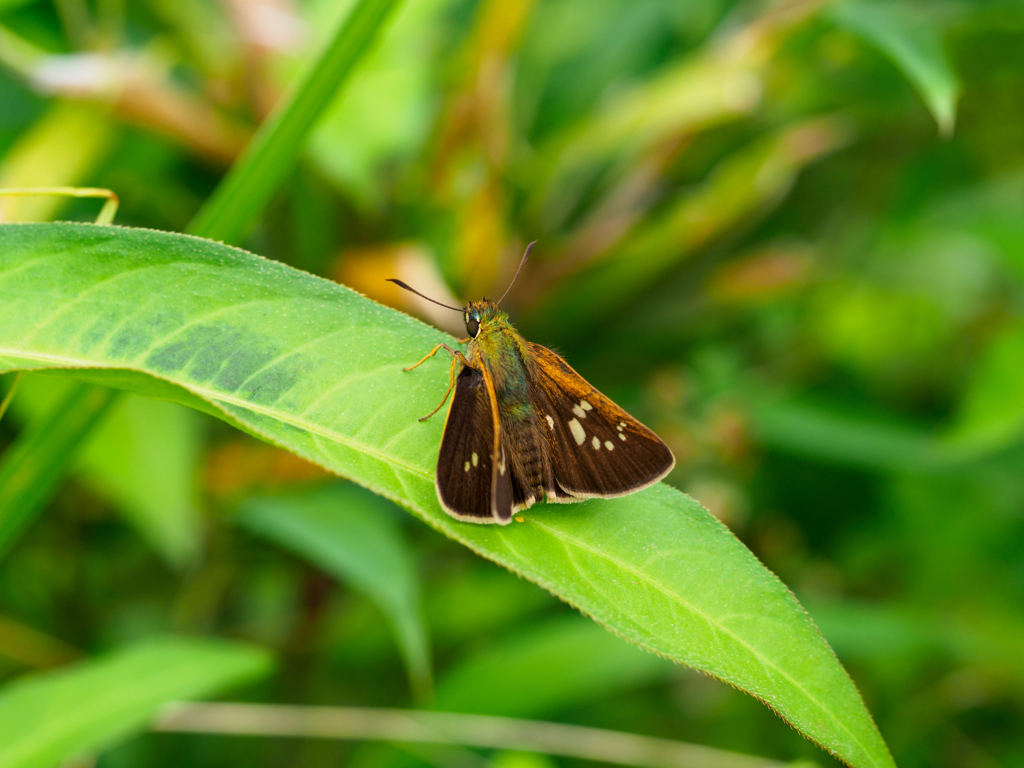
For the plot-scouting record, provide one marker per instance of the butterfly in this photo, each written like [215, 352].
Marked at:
[524, 427]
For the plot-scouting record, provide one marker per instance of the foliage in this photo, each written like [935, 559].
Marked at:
[786, 235]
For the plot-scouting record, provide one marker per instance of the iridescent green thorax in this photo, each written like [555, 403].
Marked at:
[506, 354]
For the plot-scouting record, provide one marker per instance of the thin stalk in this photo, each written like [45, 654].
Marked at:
[106, 214]
[365, 724]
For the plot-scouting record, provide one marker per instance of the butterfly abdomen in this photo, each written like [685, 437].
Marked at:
[524, 443]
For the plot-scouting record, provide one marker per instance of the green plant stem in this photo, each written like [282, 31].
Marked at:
[362, 723]
[230, 211]
[32, 468]
[10, 394]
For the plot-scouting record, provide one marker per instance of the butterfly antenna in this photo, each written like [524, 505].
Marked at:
[400, 284]
[521, 263]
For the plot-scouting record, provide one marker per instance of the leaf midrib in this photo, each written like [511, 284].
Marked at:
[98, 710]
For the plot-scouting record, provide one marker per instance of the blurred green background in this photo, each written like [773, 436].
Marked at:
[788, 236]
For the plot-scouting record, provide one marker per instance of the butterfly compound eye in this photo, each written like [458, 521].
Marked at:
[472, 325]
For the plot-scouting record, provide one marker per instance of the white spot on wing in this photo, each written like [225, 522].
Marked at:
[476, 458]
[608, 445]
[577, 432]
[579, 412]
[622, 424]
[586, 406]
[466, 468]
[551, 422]
[621, 436]
[597, 444]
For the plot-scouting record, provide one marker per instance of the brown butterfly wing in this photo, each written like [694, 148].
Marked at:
[470, 485]
[597, 449]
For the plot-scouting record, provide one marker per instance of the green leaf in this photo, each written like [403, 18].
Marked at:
[317, 368]
[145, 458]
[913, 44]
[48, 718]
[894, 638]
[386, 111]
[266, 162]
[991, 415]
[353, 535]
[547, 668]
[142, 456]
[35, 464]
[827, 431]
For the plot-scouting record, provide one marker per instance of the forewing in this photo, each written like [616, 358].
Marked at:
[597, 449]
[470, 485]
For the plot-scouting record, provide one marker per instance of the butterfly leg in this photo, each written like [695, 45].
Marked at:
[451, 384]
[457, 357]
[454, 353]
[427, 356]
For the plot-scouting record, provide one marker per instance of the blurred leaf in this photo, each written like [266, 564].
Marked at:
[315, 367]
[891, 634]
[716, 85]
[353, 535]
[8, 5]
[385, 112]
[991, 413]
[990, 419]
[484, 599]
[232, 209]
[35, 464]
[244, 466]
[142, 456]
[913, 43]
[828, 431]
[469, 162]
[48, 718]
[746, 183]
[27, 645]
[44, 156]
[540, 671]
[880, 331]
[988, 212]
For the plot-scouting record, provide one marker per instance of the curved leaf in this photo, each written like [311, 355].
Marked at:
[914, 45]
[353, 535]
[317, 368]
[547, 668]
[48, 718]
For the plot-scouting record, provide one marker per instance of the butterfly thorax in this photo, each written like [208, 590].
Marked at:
[507, 356]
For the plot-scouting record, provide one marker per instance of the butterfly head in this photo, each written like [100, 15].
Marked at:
[480, 314]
